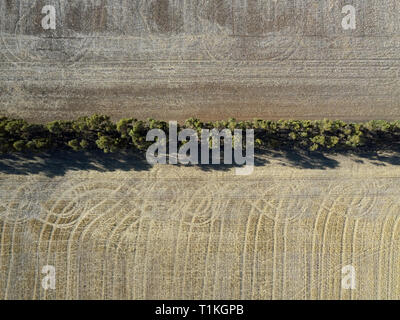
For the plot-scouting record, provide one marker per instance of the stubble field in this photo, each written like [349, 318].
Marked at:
[173, 60]
[184, 233]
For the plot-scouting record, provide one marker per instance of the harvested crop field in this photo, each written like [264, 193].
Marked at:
[171, 232]
[172, 60]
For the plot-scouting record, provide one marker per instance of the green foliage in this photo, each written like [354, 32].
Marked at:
[84, 144]
[107, 144]
[19, 145]
[292, 135]
[74, 144]
[98, 132]
[124, 126]
[138, 134]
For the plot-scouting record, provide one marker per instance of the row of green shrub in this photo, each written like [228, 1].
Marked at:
[99, 132]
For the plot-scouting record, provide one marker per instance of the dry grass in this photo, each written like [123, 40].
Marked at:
[183, 233]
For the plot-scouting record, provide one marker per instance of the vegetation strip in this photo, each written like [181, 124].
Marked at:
[99, 132]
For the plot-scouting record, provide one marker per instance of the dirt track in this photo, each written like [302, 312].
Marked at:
[210, 59]
[184, 233]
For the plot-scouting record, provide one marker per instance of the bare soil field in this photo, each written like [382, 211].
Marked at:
[171, 232]
[172, 60]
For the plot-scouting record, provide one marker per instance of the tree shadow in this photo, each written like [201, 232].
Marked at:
[382, 158]
[258, 162]
[58, 163]
[301, 159]
[317, 160]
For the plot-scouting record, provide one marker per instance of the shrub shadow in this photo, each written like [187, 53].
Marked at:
[303, 159]
[58, 163]
[381, 159]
